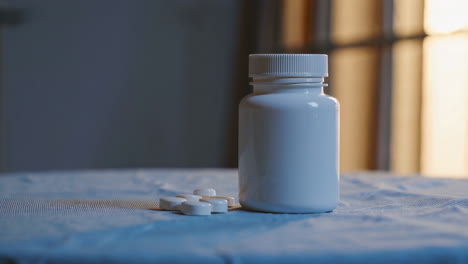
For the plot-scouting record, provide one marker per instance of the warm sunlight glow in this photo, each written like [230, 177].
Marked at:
[357, 122]
[445, 16]
[445, 106]
[406, 107]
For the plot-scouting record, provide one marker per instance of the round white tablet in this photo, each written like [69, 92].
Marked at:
[171, 203]
[190, 197]
[231, 200]
[217, 205]
[195, 208]
[205, 192]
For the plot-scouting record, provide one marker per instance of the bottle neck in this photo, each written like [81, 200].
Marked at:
[309, 85]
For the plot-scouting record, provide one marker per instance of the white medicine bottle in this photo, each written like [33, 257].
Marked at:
[288, 136]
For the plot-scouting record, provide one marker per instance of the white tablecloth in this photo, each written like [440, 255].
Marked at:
[107, 216]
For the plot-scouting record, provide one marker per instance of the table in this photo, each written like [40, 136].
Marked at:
[107, 216]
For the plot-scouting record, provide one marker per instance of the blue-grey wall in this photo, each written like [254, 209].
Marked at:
[113, 83]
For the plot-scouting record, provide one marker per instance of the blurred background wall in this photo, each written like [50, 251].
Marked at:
[114, 83]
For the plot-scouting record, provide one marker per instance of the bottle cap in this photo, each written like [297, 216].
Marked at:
[288, 65]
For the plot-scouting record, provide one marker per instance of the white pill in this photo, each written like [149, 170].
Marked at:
[205, 192]
[195, 208]
[217, 205]
[190, 197]
[171, 203]
[231, 200]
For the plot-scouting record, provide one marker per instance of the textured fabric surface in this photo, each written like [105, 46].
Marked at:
[109, 216]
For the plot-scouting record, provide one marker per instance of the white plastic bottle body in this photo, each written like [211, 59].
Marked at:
[289, 150]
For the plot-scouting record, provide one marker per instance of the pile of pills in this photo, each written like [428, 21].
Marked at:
[201, 202]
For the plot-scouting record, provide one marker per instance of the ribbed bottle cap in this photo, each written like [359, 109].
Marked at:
[284, 65]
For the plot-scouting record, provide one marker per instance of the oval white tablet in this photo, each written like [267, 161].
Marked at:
[217, 205]
[171, 203]
[231, 200]
[205, 192]
[195, 208]
[190, 197]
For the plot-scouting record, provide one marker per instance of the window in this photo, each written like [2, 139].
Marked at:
[399, 69]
